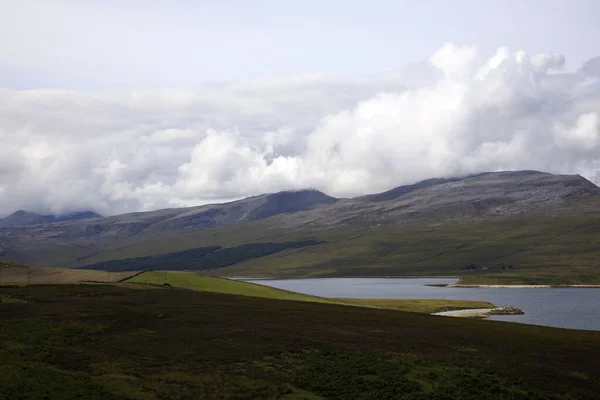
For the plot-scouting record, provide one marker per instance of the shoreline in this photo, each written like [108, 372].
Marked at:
[484, 286]
[284, 278]
[454, 285]
[480, 312]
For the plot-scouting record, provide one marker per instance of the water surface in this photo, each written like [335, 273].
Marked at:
[563, 308]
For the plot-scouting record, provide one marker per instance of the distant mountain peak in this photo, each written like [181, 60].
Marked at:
[22, 213]
[486, 178]
[288, 201]
[312, 193]
[27, 218]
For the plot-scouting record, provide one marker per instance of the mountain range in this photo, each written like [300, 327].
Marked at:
[26, 218]
[433, 226]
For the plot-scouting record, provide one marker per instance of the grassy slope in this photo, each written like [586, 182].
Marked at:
[558, 248]
[194, 281]
[428, 306]
[115, 342]
[552, 249]
[549, 250]
[15, 274]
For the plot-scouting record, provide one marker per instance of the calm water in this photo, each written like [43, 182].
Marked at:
[564, 308]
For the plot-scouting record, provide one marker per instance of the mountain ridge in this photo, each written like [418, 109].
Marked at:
[23, 218]
[490, 192]
[322, 198]
[308, 215]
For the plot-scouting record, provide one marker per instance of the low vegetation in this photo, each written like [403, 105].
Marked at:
[195, 281]
[11, 300]
[112, 342]
[556, 249]
[428, 306]
[536, 276]
[202, 258]
[14, 274]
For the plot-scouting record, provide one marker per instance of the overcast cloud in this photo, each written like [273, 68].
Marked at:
[120, 151]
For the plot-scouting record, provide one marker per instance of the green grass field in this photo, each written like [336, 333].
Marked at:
[113, 342]
[428, 306]
[194, 281]
[14, 274]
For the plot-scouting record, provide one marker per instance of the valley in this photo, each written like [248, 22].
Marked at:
[522, 227]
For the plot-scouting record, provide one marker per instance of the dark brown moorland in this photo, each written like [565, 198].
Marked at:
[100, 341]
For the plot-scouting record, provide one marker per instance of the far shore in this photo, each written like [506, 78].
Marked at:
[474, 286]
[281, 278]
[455, 285]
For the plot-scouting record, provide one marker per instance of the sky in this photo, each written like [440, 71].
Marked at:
[121, 106]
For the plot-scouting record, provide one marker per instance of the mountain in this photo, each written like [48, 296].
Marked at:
[498, 194]
[402, 190]
[25, 218]
[527, 218]
[246, 210]
[167, 221]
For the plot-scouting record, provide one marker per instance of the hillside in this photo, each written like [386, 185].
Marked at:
[193, 281]
[520, 226]
[115, 342]
[14, 274]
[203, 258]
[202, 283]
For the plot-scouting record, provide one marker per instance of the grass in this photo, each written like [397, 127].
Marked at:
[548, 276]
[12, 300]
[427, 306]
[561, 250]
[555, 246]
[194, 281]
[19, 275]
[114, 342]
[203, 258]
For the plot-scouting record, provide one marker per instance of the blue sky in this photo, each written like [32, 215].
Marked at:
[99, 44]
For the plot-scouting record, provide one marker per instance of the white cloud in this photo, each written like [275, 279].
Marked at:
[454, 61]
[121, 151]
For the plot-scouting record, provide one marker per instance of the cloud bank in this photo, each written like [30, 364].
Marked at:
[121, 151]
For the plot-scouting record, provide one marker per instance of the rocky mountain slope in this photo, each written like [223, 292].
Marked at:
[432, 205]
[488, 194]
[81, 237]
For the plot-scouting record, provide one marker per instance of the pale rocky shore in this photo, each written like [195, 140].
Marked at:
[481, 312]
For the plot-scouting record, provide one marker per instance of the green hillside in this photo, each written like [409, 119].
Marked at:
[203, 258]
[559, 246]
[426, 306]
[194, 281]
[552, 249]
